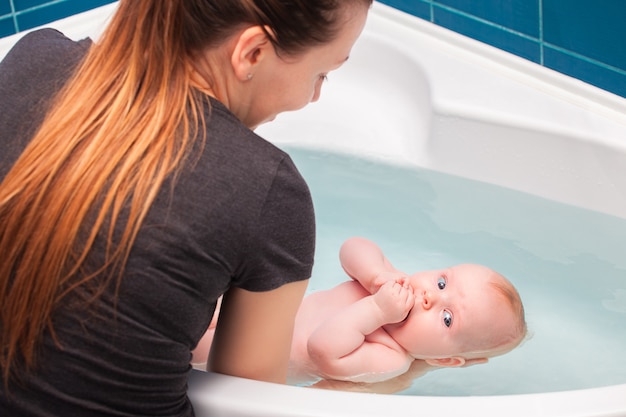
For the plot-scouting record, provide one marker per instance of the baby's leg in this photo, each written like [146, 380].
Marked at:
[200, 355]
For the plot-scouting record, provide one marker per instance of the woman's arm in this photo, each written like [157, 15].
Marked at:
[253, 335]
[365, 262]
[339, 347]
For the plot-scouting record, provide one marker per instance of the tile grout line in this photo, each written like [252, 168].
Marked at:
[486, 22]
[42, 5]
[13, 15]
[541, 40]
[586, 59]
[432, 11]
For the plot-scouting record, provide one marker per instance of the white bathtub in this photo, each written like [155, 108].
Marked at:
[414, 94]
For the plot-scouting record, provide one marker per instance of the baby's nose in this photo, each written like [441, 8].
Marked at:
[427, 300]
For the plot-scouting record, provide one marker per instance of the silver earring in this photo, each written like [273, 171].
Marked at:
[249, 76]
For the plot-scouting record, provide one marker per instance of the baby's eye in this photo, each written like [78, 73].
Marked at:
[447, 318]
[441, 283]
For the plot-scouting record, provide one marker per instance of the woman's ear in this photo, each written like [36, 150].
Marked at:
[251, 48]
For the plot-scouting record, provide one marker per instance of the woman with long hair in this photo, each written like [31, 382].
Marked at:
[135, 193]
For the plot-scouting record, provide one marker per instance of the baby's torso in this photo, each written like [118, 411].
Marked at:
[314, 310]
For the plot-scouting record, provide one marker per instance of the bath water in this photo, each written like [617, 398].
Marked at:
[569, 265]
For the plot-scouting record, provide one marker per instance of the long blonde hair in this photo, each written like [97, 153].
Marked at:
[118, 129]
[123, 124]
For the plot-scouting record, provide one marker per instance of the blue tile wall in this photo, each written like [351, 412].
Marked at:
[416, 8]
[18, 15]
[581, 38]
[518, 16]
[605, 43]
[585, 39]
[507, 40]
[6, 26]
[5, 7]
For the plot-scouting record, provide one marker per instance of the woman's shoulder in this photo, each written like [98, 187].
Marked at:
[45, 35]
[42, 55]
[48, 42]
[245, 150]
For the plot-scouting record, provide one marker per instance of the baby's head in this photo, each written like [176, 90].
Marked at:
[462, 315]
[500, 322]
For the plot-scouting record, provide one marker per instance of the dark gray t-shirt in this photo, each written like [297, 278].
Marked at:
[240, 216]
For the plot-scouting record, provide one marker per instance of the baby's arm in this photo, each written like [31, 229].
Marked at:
[339, 349]
[365, 262]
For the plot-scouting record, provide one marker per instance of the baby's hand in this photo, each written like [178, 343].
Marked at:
[384, 277]
[395, 300]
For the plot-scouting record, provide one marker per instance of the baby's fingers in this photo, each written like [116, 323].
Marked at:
[403, 280]
[407, 296]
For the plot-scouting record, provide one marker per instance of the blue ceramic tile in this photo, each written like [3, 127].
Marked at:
[589, 72]
[49, 13]
[594, 29]
[489, 34]
[518, 15]
[7, 26]
[27, 4]
[5, 7]
[415, 7]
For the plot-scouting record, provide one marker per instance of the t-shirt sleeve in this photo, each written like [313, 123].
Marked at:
[283, 244]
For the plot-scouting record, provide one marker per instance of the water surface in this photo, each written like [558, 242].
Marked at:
[568, 264]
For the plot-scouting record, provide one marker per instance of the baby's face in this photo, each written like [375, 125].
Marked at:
[456, 311]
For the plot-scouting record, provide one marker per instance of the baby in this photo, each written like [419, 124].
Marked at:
[374, 327]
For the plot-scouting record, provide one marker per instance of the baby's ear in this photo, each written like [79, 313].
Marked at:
[475, 361]
[455, 361]
[452, 362]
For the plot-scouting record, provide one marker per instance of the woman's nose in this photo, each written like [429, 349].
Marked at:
[316, 94]
[318, 90]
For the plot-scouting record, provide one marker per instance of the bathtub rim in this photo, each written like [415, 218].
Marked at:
[213, 393]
